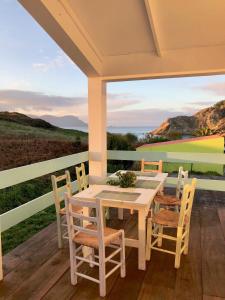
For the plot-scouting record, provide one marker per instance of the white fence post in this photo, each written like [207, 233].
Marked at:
[1, 266]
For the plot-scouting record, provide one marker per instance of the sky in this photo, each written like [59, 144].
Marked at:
[37, 78]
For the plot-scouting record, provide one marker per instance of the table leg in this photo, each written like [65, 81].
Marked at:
[141, 239]
[87, 252]
[120, 213]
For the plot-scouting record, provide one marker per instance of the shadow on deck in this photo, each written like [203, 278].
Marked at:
[38, 270]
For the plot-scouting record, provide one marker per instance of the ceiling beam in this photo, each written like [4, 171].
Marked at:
[175, 63]
[153, 26]
[62, 25]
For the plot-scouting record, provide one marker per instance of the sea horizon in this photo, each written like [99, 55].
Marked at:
[139, 131]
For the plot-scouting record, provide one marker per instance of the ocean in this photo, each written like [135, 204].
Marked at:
[138, 131]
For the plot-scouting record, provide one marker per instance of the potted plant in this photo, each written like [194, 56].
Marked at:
[125, 179]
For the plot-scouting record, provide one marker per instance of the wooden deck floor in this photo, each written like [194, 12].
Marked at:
[38, 270]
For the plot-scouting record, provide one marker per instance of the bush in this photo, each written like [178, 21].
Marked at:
[120, 142]
[174, 135]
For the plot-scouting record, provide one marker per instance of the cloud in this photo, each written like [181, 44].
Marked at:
[215, 88]
[120, 107]
[141, 117]
[39, 103]
[118, 101]
[28, 101]
[202, 103]
[58, 62]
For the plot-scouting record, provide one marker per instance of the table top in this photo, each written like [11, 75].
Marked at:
[153, 176]
[116, 196]
[134, 197]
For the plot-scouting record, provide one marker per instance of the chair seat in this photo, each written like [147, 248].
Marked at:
[110, 235]
[76, 209]
[168, 218]
[167, 200]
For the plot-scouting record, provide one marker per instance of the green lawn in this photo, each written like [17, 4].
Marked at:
[210, 145]
[17, 130]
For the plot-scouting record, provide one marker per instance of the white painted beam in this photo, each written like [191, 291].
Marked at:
[63, 26]
[97, 129]
[174, 63]
[153, 26]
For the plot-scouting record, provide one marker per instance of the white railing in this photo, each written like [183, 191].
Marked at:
[22, 174]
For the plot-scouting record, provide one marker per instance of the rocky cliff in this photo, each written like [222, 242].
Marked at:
[212, 118]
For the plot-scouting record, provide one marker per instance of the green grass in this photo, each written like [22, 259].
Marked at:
[26, 229]
[18, 130]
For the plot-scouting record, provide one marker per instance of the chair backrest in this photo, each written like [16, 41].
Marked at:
[58, 192]
[181, 181]
[81, 178]
[72, 217]
[158, 164]
[187, 202]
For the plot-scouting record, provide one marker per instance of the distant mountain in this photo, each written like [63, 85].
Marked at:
[212, 118]
[24, 120]
[67, 121]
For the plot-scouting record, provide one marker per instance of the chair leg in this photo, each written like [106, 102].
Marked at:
[149, 239]
[186, 241]
[156, 207]
[122, 257]
[59, 230]
[73, 264]
[92, 257]
[102, 279]
[159, 243]
[107, 213]
[178, 253]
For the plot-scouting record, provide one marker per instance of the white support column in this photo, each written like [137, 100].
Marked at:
[1, 266]
[97, 129]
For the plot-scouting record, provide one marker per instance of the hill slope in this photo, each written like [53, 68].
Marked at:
[212, 117]
[24, 120]
[64, 121]
[24, 140]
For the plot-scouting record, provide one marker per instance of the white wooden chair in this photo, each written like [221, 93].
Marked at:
[178, 220]
[82, 181]
[93, 234]
[173, 200]
[158, 164]
[58, 198]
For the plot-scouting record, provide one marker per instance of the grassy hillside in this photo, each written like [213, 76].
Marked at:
[24, 142]
[8, 128]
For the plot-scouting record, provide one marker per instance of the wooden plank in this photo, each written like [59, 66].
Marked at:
[202, 184]
[213, 254]
[160, 279]
[206, 297]
[86, 289]
[22, 174]
[25, 211]
[43, 278]
[213, 158]
[210, 224]
[33, 253]
[221, 213]
[130, 287]
[12, 259]
[189, 279]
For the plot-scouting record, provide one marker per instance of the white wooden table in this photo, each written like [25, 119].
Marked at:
[151, 176]
[139, 199]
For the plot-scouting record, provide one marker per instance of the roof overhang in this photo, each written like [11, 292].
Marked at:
[137, 39]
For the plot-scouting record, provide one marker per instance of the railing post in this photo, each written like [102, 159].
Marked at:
[1, 265]
[97, 129]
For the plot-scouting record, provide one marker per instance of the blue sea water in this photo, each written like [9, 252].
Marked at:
[138, 131]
